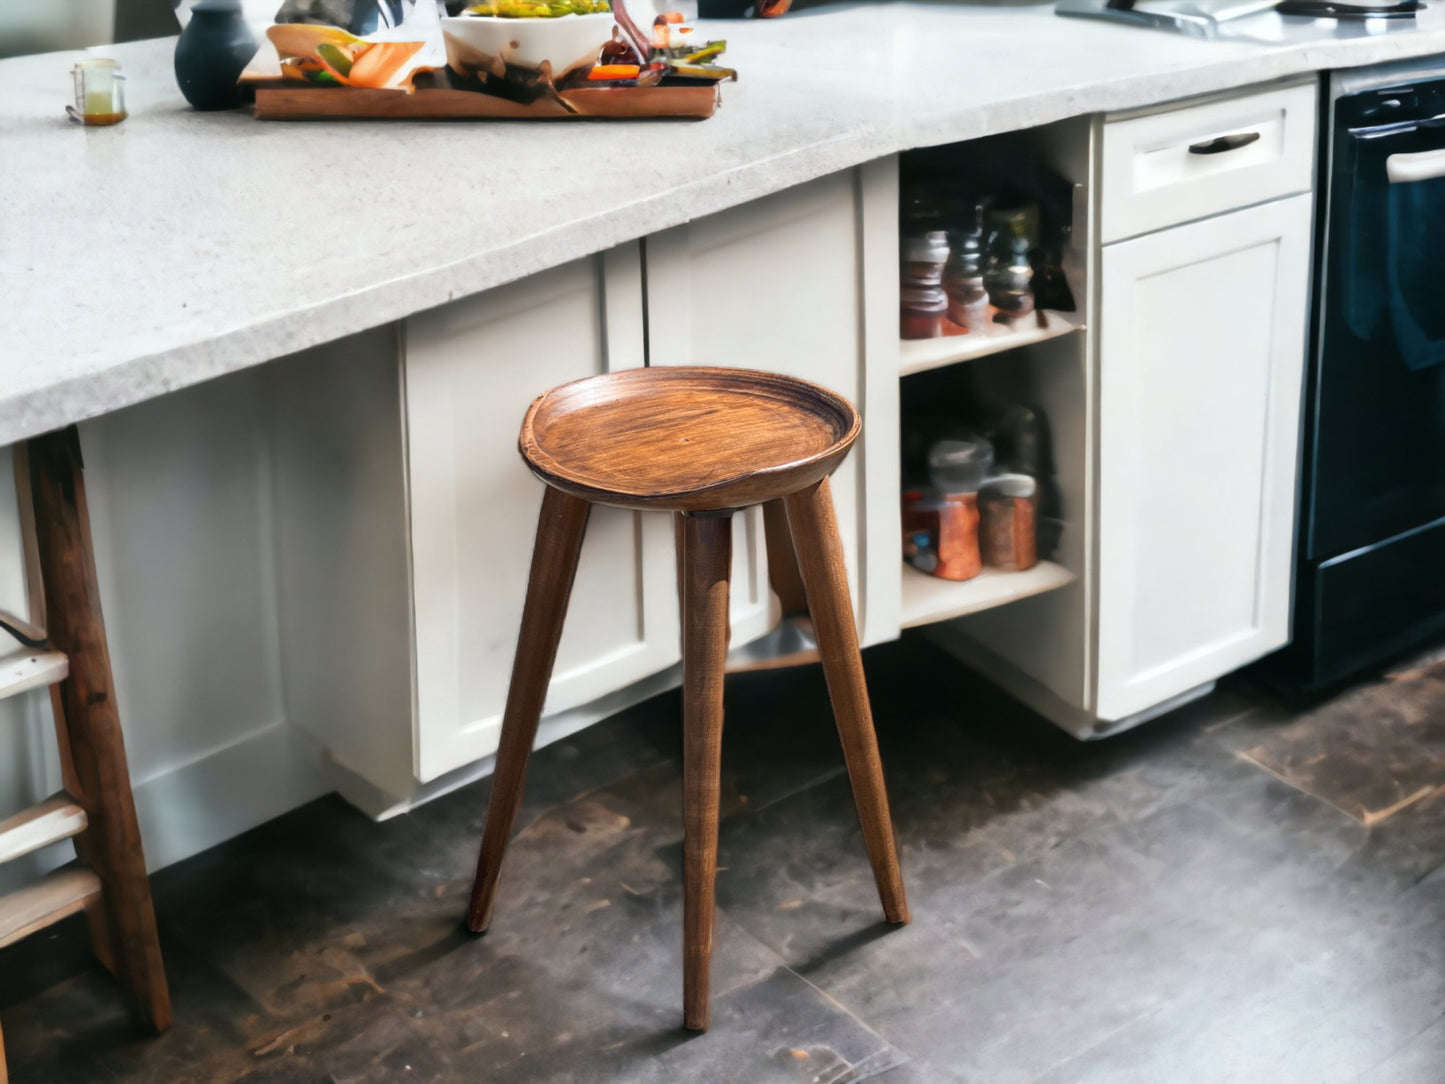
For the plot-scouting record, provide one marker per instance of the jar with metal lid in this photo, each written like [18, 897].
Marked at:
[1008, 532]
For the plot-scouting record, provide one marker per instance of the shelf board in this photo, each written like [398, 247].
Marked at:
[918, 355]
[927, 598]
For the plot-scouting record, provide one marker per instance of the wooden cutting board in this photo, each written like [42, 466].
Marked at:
[320, 103]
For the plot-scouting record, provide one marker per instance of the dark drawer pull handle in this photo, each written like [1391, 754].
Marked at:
[1224, 143]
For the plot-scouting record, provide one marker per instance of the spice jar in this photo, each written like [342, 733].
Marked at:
[1010, 280]
[923, 258]
[963, 277]
[921, 310]
[948, 524]
[1008, 537]
[967, 302]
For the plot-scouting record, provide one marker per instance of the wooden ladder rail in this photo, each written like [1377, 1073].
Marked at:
[97, 808]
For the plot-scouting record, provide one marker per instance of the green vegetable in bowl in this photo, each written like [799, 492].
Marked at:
[538, 9]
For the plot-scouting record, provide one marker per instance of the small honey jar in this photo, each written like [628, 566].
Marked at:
[99, 92]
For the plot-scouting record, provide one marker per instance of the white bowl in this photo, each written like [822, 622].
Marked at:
[567, 41]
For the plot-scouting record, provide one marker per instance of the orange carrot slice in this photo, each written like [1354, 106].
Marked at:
[604, 72]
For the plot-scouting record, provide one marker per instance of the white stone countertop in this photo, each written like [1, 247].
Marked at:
[178, 246]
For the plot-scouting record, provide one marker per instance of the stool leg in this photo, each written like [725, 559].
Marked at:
[783, 575]
[554, 566]
[820, 559]
[707, 545]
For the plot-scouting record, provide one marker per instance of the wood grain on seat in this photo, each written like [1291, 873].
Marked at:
[691, 439]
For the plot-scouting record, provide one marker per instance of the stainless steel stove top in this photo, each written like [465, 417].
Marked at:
[1254, 20]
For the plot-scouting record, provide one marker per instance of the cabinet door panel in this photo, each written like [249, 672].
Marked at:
[1202, 343]
[472, 367]
[774, 284]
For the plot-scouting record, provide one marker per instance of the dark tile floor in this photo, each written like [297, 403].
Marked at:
[1234, 893]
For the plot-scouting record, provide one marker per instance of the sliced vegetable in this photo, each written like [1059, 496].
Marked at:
[338, 60]
[379, 65]
[604, 72]
[331, 72]
[715, 72]
[301, 39]
[307, 70]
[707, 52]
[328, 56]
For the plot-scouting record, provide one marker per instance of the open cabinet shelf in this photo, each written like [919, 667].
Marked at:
[920, 355]
[928, 598]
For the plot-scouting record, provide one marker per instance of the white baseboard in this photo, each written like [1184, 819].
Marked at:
[207, 800]
[380, 805]
[212, 798]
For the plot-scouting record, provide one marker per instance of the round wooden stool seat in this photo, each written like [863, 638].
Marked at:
[688, 439]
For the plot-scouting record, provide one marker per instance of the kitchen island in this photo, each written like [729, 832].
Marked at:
[185, 245]
[311, 569]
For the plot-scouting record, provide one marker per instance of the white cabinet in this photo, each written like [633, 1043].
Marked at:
[1201, 353]
[405, 520]
[471, 369]
[1176, 429]
[778, 284]
[409, 516]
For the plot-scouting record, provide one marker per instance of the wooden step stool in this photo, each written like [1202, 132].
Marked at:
[700, 443]
[65, 648]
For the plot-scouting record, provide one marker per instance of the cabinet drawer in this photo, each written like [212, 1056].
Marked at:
[1167, 168]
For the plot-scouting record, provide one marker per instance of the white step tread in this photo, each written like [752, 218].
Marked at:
[50, 899]
[31, 669]
[39, 826]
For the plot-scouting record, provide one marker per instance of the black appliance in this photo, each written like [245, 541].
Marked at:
[1370, 576]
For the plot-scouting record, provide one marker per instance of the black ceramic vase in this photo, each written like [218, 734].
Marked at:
[215, 47]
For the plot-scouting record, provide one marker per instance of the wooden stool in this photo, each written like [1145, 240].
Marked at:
[96, 808]
[701, 443]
